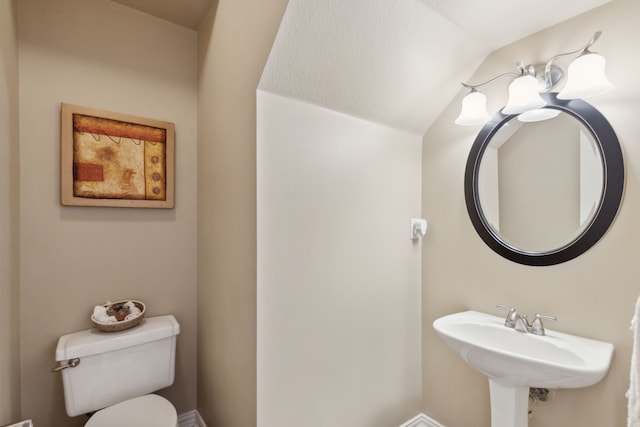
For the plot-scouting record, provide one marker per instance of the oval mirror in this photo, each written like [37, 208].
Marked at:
[543, 188]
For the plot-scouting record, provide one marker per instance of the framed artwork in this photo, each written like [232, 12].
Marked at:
[116, 160]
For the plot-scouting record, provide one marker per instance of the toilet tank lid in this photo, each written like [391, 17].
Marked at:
[91, 341]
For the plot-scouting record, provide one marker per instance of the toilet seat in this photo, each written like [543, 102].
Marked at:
[149, 410]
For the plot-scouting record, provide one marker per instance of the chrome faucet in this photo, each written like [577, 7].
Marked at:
[537, 327]
[520, 323]
[512, 316]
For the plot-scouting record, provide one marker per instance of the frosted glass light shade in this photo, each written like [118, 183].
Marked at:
[586, 77]
[523, 96]
[538, 115]
[474, 110]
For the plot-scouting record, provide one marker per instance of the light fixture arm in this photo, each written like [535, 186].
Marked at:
[473, 87]
[584, 49]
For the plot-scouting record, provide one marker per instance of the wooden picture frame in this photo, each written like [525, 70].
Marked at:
[115, 160]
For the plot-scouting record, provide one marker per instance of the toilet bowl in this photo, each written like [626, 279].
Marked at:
[150, 410]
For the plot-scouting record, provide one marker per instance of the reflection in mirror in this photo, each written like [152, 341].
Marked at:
[540, 183]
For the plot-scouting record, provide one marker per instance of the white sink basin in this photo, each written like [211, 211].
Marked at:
[556, 360]
[515, 361]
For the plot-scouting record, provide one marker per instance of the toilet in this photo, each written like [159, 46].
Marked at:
[115, 373]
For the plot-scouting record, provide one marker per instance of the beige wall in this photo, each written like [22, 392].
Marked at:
[592, 296]
[338, 274]
[96, 54]
[9, 221]
[234, 42]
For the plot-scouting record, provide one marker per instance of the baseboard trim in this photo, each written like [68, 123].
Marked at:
[421, 420]
[191, 419]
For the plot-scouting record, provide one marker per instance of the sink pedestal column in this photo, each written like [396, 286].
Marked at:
[509, 405]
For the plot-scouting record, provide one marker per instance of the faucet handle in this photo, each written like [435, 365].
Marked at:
[512, 316]
[537, 327]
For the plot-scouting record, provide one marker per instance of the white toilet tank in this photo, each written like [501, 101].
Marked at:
[116, 366]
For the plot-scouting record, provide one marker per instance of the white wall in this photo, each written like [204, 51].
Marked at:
[592, 295]
[338, 275]
[104, 55]
[9, 221]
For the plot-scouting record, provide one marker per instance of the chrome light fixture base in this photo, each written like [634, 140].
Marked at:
[547, 80]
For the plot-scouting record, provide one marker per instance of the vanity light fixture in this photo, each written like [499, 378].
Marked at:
[586, 78]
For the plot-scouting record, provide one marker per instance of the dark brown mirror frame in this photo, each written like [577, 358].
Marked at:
[607, 143]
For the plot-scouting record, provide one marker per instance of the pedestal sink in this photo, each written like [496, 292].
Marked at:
[515, 361]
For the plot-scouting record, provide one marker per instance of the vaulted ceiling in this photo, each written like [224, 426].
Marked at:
[396, 62]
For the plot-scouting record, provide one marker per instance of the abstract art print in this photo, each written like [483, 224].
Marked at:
[115, 160]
